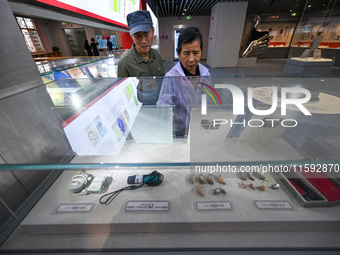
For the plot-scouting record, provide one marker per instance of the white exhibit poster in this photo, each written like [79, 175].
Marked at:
[101, 127]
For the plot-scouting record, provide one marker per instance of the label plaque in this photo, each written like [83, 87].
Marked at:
[213, 206]
[147, 206]
[74, 208]
[273, 205]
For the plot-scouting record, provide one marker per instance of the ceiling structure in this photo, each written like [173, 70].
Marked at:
[178, 8]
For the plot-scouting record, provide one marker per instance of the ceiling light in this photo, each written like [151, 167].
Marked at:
[309, 6]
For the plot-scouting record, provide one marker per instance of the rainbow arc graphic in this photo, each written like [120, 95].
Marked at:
[210, 94]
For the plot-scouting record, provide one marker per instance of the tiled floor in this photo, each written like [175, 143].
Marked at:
[271, 67]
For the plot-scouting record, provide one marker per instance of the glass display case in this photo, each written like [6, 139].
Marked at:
[309, 30]
[104, 68]
[48, 65]
[315, 43]
[80, 67]
[235, 163]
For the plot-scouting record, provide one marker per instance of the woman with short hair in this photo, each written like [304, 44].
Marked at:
[183, 90]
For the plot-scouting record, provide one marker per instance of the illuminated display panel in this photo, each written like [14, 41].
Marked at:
[111, 11]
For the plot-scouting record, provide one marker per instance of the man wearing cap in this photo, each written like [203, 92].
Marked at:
[141, 60]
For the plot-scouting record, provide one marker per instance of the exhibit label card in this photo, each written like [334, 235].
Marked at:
[213, 206]
[74, 208]
[147, 206]
[273, 205]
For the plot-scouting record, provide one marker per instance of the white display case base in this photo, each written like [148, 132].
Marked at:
[183, 215]
[246, 62]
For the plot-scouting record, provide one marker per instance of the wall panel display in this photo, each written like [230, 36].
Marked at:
[112, 11]
[328, 31]
[280, 33]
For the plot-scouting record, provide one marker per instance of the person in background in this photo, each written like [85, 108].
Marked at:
[109, 44]
[94, 47]
[181, 85]
[141, 60]
[88, 49]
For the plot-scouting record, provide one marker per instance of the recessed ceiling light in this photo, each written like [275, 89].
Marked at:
[309, 6]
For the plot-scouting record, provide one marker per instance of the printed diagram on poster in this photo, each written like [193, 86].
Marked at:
[95, 131]
[102, 127]
[164, 35]
[120, 127]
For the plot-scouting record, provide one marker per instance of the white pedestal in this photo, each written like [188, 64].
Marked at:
[308, 66]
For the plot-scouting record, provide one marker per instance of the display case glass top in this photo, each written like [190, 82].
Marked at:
[255, 119]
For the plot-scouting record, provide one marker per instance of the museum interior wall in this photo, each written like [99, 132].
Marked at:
[166, 26]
